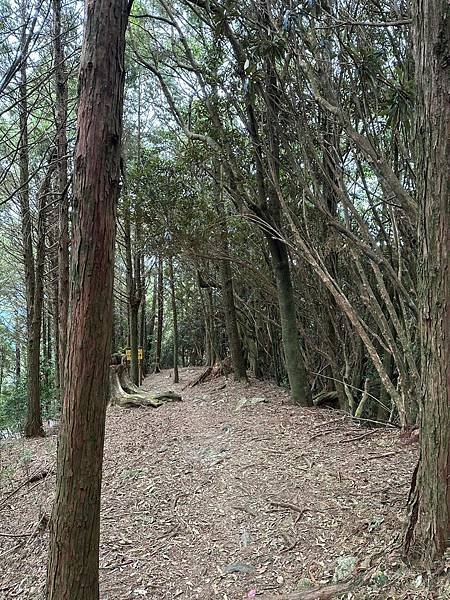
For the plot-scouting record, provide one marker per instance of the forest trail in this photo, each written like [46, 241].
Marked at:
[209, 498]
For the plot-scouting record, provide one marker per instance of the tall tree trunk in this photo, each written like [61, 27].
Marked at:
[428, 533]
[134, 336]
[269, 211]
[75, 523]
[17, 344]
[209, 351]
[33, 424]
[151, 327]
[36, 328]
[143, 323]
[160, 316]
[226, 277]
[213, 350]
[295, 366]
[61, 97]
[55, 303]
[176, 377]
[134, 299]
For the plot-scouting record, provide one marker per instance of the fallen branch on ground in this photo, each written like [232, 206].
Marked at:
[37, 476]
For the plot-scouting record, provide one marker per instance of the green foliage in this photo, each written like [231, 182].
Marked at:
[13, 406]
[13, 401]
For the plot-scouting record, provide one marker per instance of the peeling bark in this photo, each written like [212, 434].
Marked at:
[75, 524]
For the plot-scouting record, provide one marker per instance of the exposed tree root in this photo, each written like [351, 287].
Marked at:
[127, 395]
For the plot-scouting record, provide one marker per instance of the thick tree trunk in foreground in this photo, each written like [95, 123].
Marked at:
[428, 534]
[75, 524]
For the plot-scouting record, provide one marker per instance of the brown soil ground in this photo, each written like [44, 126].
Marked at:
[206, 499]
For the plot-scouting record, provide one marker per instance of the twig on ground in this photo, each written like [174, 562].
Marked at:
[358, 437]
[16, 535]
[38, 476]
[321, 433]
[381, 455]
[289, 505]
[245, 509]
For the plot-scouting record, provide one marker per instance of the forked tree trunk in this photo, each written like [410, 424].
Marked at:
[75, 523]
[428, 533]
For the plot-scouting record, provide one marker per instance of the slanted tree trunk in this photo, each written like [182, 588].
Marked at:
[428, 533]
[176, 377]
[226, 276]
[61, 98]
[75, 524]
[269, 211]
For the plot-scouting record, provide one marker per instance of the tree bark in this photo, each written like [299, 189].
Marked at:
[151, 327]
[143, 322]
[75, 523]
[428, 532]
[229, 308]
[295, 367]
[160, 316]
[33, 425]
[61, 97]
[134, 297]
[17, 354]
[176, 377]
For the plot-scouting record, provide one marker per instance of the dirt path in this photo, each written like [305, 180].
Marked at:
[203, 499]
